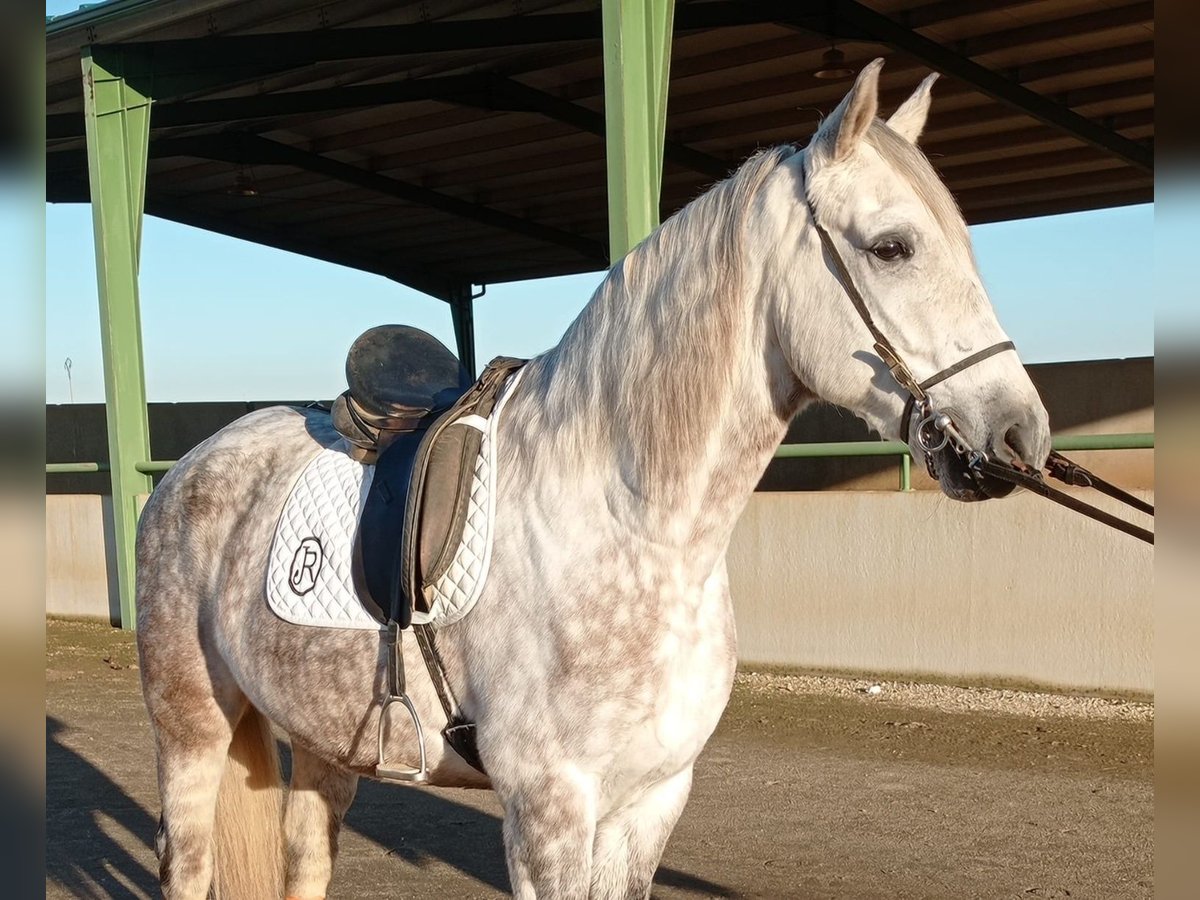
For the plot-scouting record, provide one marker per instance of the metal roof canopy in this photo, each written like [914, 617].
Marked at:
[449, 143]
[452, 143]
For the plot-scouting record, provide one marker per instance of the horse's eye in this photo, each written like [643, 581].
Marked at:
[890, 249]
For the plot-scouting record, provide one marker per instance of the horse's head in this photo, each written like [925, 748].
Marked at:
[906, 251]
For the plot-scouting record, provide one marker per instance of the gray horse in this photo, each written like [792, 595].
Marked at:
[601, 653]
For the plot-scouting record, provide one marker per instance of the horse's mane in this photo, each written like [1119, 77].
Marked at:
[647, 365]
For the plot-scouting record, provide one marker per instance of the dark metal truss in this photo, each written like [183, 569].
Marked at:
[175, 66]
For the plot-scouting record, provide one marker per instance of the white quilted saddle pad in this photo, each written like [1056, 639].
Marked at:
[309, 580]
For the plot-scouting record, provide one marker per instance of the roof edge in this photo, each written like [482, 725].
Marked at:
[93, 13]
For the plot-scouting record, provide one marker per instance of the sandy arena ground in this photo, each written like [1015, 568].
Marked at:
[811, 788]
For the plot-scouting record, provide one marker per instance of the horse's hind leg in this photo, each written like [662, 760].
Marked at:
[317, 801]
[630, 841]
[192, 748]
[218, 770]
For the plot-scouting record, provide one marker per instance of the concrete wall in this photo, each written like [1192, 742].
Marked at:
[878, 583]
[1090, 397]
[1017, 590]
[852, 576]
[79, 577]
[75, 432]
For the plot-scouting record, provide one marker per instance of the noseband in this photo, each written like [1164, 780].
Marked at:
[936, 429]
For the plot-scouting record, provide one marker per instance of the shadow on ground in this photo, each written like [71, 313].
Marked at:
[84, 807]
[420, 825]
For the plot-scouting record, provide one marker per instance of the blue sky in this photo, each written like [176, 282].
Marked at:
[224, 319]
[227, 320]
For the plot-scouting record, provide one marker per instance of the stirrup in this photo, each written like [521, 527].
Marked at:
[396, 694]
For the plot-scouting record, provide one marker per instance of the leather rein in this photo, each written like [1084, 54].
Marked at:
[937, 429]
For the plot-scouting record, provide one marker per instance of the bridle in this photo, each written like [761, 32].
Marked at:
[918, 391]
[936, 430]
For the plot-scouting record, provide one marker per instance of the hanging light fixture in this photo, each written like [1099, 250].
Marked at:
[833, 66]
[243, 185]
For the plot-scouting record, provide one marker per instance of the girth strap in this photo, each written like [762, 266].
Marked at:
[459, 733]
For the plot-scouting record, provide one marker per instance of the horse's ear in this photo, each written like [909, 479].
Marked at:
[909, 120]
[846, 125]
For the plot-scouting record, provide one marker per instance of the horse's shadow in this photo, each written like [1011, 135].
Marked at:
[420, 825]
[86, 860]
[81, 856]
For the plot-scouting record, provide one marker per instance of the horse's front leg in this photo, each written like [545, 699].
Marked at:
[630, 840]
[317, 801]
[549, 826]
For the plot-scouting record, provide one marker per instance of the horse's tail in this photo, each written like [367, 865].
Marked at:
[248, 836]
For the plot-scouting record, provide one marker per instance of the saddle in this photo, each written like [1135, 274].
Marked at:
[398, 376]
[412, 410]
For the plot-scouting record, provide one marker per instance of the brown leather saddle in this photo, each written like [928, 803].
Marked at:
[404, 412]
[408, 394]
[398, 377]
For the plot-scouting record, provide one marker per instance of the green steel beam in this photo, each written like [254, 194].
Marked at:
[117, 121]
[512, 95]
[1131, 441]
[222, 111]
[192, 65]
[193, 57]
[906, 472]
[995, 85]
[1125, 441]
[637, 59]
[75, 468]
[155, 466]
[1135, 440]
[840, 448]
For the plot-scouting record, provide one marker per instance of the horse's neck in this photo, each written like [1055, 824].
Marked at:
[664, 399]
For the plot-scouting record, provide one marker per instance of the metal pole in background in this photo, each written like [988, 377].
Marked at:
[637, 63]
[117, 120]
[462, 314]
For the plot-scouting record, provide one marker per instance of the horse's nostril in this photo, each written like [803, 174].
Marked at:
[1017, 444]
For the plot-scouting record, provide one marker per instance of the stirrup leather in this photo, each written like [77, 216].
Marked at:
[396, 694]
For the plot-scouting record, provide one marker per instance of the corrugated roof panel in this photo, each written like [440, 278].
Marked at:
[733, 89]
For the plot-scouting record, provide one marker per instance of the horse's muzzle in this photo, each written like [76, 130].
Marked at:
[961, 482]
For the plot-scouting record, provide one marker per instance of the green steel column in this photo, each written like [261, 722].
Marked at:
[637, 62]
[117, 119]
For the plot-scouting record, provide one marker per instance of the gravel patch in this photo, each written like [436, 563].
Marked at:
[946, 698]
